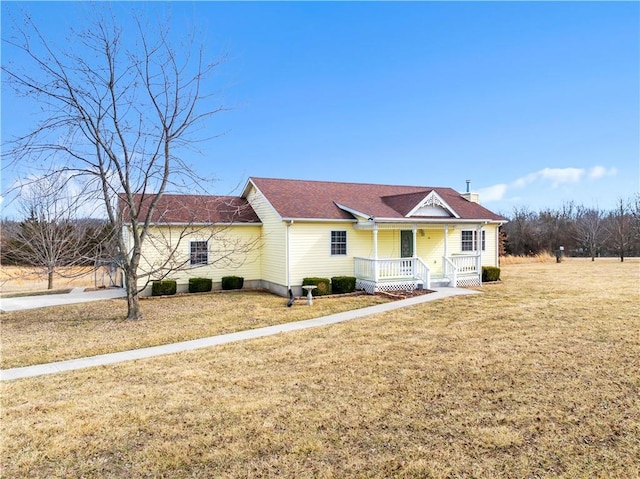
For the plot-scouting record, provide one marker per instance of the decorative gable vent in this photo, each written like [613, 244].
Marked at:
[433, 205]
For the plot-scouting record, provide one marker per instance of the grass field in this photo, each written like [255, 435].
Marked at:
[21, 278]
[537, 377]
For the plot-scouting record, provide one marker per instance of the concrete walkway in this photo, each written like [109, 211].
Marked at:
[113, 358]
[77, 295]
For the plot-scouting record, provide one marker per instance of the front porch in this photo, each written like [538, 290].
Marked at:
[406, 274]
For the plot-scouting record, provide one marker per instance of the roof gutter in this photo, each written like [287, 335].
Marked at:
[319, 220]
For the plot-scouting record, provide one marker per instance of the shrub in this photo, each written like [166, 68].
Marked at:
[490, 273]
[323, 285]
[232, 282]
[343, 284]
[200, 285]
[165, 287]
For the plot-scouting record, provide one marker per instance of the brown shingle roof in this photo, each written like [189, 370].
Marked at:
[196, 209]
[318, 199]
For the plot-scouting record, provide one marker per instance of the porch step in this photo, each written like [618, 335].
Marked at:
[440, 282]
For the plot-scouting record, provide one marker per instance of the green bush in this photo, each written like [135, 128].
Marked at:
[490, 273]
[343, 284]
[165, 287]
[200, 285]
[232, 282]
[323, 285]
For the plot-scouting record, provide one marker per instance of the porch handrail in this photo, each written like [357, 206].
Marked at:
[450, 271]
[422, 272]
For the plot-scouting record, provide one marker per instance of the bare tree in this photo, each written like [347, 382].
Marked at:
[555, 227]
[619, 227]
[120, 109]
[51, 238]
[590, 229]
[521, 232]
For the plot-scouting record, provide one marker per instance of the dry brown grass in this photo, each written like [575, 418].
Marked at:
[538, 258]
[537, 377]
[65, 332]
[21, 278]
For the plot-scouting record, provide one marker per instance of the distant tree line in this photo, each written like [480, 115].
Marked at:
[580, 230]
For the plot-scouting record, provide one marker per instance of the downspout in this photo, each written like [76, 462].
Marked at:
[497, 257]
[287, 260]
[479, 247]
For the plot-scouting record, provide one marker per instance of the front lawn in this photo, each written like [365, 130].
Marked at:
[537, 377]
[65, 332]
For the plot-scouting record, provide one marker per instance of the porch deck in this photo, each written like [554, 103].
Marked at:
[407, 274]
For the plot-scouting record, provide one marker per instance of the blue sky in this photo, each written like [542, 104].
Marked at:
[536, 103]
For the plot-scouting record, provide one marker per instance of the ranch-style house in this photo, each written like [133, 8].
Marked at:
[279, 231]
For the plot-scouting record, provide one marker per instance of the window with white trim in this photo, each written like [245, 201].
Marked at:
[338, 243]
[198, 253]
[470, 240]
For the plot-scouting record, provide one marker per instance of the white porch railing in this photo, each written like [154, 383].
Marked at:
[392, 269]
[461, 265]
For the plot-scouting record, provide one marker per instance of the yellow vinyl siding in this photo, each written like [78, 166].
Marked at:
[490, 254]
[310, 250]
[273, 254]
[431, 248]
[233, 250]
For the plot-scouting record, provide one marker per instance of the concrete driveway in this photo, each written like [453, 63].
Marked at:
[77, 295]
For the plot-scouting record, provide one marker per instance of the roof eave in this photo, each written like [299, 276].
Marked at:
[443, 220]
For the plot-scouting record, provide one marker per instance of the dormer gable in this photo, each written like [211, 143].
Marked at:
[433, 205]
[425, 203]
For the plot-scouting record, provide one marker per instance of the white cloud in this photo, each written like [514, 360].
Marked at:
[598, 172]
[554, 177]
[558, 176]
[493, 193]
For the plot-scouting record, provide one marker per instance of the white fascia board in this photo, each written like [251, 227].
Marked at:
[439, 198]
[246, 192]
[353, 212]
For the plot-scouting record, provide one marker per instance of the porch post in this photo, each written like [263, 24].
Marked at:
[445, 266]
[376, 270]
[375, 241]
[414, 253]
[414, 230]
[479, 249]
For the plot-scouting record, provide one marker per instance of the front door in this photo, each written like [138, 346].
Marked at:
[406, 251]
[406, 244]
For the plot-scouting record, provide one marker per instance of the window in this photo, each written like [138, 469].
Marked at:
[199, 253]
[338, 242]
[470, 240]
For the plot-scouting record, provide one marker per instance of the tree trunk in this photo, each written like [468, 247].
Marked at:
[133, 300]
[50, 279]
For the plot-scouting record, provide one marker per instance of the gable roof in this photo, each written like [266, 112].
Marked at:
[195, 209]
[327, 200]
